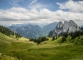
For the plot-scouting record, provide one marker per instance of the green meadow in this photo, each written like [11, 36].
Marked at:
[23, 49]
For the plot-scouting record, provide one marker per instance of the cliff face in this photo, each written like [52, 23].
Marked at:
[61, 28]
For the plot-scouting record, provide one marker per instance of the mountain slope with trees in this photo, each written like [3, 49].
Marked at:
[8, 32]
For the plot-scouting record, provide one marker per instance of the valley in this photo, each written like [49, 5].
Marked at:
[23, 49]
[68, 46]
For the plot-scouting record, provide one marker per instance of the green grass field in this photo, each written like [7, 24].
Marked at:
[23, 49]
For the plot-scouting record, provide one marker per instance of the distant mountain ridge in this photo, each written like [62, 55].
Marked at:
[61, 28]
[33, 31]
[49, 28]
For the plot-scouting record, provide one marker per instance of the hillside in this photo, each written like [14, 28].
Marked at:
[9, 41]
[67, 47]
[13, 49]
[8, 45]
[8, 32]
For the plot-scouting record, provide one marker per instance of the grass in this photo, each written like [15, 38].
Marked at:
[23, 49]
[4, 57]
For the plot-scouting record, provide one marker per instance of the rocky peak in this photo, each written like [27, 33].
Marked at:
[59, 25]
[61, 28]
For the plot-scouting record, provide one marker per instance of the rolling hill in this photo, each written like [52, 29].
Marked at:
[12, 48]
[23, 49]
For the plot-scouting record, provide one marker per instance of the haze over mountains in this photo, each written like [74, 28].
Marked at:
[53, 29]
[32, 31]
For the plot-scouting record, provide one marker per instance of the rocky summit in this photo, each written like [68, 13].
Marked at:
[61, 28]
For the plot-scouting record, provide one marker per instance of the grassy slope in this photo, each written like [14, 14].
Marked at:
[48, 50]
[8, 45]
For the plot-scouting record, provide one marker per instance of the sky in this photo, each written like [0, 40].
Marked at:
[40, 12]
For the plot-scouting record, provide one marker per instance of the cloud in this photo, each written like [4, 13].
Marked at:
[33, 2]
[43, 16]
[22, 14]
[72, 6]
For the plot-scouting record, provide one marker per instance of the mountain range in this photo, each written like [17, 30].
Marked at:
[32, 31]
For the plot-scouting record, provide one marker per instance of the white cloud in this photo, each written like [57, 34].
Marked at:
[43, 16]
[33, 2]
[72, 6]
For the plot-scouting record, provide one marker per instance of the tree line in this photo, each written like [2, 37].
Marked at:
[8, 32]
[73, 35]
[39, 40]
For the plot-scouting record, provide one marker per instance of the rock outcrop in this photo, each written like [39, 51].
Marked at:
[61, 28]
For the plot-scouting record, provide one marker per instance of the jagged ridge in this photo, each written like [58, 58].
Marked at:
[61, 28]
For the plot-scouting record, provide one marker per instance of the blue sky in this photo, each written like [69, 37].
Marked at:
[40, 11]
[51, 4]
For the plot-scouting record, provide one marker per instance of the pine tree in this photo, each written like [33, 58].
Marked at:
[53, 38]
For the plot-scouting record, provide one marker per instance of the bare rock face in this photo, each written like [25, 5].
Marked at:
[61, 28]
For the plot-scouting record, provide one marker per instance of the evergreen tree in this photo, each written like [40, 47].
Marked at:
[63, 39]
[53, 38]
[8, 32]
